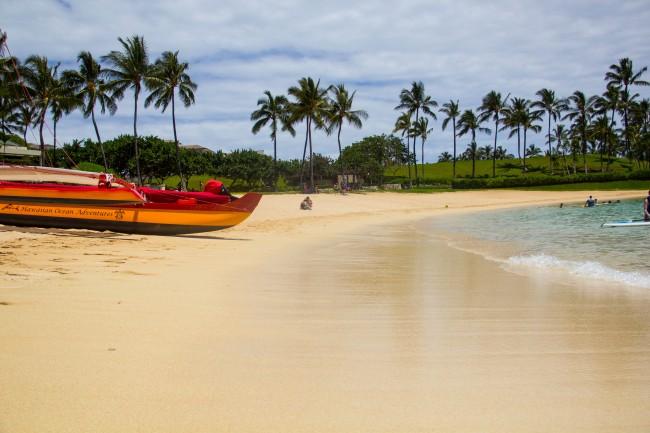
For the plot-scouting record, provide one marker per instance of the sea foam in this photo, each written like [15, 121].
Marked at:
[580, 269]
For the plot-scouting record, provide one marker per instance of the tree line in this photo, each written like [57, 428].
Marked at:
[35, 90]
[614, 123]
[246, 169]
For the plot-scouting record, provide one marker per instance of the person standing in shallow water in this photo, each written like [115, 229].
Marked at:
[646, 208]
[591, 202]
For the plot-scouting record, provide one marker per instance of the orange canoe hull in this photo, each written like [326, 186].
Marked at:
[141, 218]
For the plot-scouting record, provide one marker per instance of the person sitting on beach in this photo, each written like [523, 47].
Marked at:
[646, 208]
[306, 204]
[590, 202]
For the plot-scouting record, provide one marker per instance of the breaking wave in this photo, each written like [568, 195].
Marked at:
[580, 269]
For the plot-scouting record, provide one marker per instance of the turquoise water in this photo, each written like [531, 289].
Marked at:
[568, 239]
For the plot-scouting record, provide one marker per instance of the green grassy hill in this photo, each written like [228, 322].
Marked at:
[537, 166]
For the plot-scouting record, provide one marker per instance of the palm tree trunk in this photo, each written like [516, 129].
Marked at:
[519, 146]
[408, 157]
[415, 163]
[473, 154]
[422, 157]
[627, 137]
[473, 164]
[524, 160]
[99, 140]
[304, 153]
[602, 155]
[494, 152]
[559, 146]
[135, 134]
[341, 167]
[178, 156]
[584, 152]
[40, 133]
[574, 158]
[415, 156]
[550, 151]
[339, 138]
[54, 143]
[422, 153]
[311, 160]
[454, 164]
[275, 156]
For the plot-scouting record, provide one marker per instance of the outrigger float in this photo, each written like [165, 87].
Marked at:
[72, 199]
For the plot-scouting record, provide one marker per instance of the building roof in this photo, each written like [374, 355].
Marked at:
[197, 147]
[9, 148]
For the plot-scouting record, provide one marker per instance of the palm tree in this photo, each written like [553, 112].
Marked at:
[404, 125]
[512, 116]
[445, 157]
[26, 113]
[89, 86]
[579, 111]
[469, 122]
[641, 112]
[452, 110]
[310, 104]
[561, 136]
[167, 75]
[623, 75]
[63, 102]
[130, 70]
[421, 129]
[272, 109]
[414, 101]
[493, 106]
[640, 119]
[600, 132]
[40, 79]
[528, 118]
[533, 150]
[602, 104]
[484, 152]
[10, 96]
[553, 108]
[340, 110]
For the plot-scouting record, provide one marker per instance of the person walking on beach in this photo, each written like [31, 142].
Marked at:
[646, 208]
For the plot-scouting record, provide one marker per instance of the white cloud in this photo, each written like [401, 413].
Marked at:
[459, 49]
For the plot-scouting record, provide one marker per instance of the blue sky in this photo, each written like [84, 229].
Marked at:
[236, 50]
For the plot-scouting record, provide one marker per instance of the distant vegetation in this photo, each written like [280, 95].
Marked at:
[583, 134]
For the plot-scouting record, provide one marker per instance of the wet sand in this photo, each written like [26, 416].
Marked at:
[344, 319]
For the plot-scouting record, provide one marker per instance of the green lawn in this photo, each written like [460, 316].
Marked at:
[505, 168]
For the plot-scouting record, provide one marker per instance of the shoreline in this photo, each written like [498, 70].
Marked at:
[313, 321]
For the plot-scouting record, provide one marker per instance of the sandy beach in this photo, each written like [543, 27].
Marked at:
[312, 321]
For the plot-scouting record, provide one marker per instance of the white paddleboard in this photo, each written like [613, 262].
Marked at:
[627, 223]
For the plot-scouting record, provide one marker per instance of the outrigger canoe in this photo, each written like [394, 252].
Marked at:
[61, 198]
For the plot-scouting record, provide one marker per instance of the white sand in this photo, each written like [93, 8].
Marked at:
[297, 321]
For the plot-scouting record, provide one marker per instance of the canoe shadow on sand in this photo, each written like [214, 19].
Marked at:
[106, 234]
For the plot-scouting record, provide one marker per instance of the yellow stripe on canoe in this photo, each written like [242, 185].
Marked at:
[128, 214]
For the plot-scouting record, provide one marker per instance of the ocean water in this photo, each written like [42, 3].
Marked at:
[568, 242]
